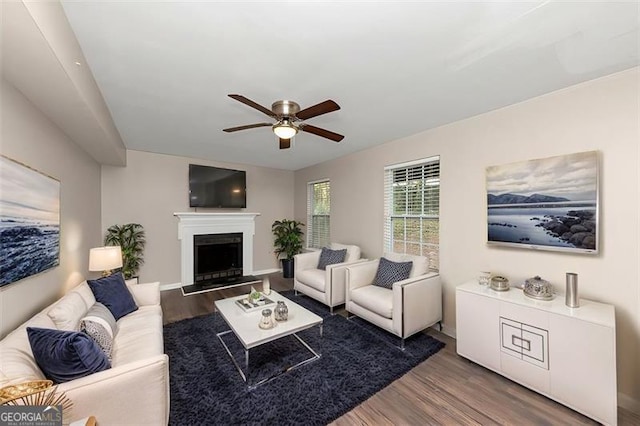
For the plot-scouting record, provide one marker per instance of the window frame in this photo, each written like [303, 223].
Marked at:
[426, 216]
[323, 240]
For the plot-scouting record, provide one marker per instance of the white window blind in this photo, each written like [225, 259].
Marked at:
[411, 209]
[318, 213]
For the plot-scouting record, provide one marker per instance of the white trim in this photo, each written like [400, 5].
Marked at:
[323, 238]
[413, 162]
[266, 271]
[423, 196]
[172, 286]
[190, 224]
[311, 182]
[449, 331]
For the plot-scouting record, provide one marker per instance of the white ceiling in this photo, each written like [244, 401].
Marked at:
[165, 68]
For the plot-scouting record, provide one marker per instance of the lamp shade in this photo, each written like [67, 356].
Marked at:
[105, 258]
[284, 130]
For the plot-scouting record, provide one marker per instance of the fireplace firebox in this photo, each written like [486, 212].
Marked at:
[217, 258]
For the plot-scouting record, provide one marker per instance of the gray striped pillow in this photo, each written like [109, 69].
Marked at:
[100, 325]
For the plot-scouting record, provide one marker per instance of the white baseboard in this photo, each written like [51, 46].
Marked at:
[628, 403]
[449, 331]
[266, 271]
[173, 286]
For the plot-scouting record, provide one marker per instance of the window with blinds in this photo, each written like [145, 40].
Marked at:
[318, 213]
[411, 209]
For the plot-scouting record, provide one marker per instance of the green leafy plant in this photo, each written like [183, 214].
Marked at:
[131, 239]
[288, 238]
[255, 295]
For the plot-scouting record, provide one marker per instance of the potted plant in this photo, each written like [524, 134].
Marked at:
[131, 239]
[287, 243]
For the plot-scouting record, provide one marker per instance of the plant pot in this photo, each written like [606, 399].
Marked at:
[287, 268]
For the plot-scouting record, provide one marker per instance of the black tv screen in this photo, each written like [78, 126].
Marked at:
[216, 187]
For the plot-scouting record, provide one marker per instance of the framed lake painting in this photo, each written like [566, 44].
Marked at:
[549, 203]
[29, 221]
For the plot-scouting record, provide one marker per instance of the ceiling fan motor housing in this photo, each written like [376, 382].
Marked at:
[285, 108]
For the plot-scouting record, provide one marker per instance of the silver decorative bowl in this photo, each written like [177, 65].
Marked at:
[539, 289]
[499, 283]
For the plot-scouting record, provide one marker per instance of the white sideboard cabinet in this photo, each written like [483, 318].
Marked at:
[567, 354]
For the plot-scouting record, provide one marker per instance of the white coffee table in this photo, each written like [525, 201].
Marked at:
[245, 327]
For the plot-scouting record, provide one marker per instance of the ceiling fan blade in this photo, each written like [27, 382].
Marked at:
[321, 132]
[285, 143]
[252, 104]
[248, 126]
[319, 109]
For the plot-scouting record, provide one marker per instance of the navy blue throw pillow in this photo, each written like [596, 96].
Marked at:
[113, 293]
[331, 257]
[66, 355]
[390, 272]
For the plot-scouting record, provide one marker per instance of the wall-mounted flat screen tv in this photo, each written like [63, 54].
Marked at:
[216, 187]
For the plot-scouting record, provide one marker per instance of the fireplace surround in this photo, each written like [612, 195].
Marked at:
[192, 224]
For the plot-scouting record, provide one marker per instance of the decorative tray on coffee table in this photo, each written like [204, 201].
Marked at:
[249, 306]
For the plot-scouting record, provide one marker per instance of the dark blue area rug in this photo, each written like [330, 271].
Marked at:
[357, 361]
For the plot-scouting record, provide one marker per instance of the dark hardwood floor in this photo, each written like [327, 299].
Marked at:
[445, 389]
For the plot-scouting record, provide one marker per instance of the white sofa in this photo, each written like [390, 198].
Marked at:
[135, 390]
[326, 286]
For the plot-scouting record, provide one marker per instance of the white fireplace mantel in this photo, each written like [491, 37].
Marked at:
[190, 224]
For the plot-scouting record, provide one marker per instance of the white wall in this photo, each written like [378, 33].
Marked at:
[30, 138]
[154, 186]
[599, 115]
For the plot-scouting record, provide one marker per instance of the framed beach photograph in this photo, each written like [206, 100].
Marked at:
[29, 221]
[547, 204]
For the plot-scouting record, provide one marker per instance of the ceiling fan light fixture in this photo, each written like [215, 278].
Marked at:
[284, 129]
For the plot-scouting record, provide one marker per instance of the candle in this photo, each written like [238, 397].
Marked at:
[266, 286]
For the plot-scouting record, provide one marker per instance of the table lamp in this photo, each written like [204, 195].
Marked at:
[105, 259]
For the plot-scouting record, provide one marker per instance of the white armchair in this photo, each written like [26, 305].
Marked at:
[326, 286]
[411, 305]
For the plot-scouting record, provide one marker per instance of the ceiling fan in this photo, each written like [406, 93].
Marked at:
[290, 119]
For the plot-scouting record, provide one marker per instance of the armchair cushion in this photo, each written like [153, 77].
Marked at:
[375, 299]
[314, 278]
[330, 257]
[353, 252]
[420, 263]
[390, 272]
